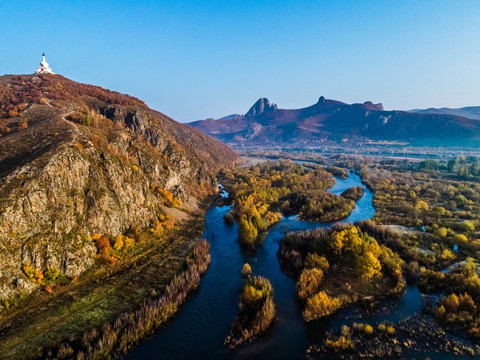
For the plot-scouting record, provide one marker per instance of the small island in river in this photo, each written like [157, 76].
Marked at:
[262, 193]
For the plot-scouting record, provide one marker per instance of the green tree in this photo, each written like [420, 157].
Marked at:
[451, 165]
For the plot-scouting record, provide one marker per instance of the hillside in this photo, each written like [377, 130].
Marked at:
[78, 160]
[470, 112]
[330, 121]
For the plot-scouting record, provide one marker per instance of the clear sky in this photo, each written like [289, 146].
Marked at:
[197, 59]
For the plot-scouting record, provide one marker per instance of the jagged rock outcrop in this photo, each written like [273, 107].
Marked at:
[261, 106]
[87, 161]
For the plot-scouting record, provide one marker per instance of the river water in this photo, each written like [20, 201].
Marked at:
[200, 327]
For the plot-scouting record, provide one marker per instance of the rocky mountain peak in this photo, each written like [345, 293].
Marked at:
[373, 106]
[261, 106]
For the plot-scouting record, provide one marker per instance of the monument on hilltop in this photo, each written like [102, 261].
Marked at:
[44, 68]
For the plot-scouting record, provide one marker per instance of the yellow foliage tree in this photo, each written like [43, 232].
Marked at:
[347, 239]
[320, 305]
[118, 243]
[421, 205]
[246, 270]
[248, 232]
[308, 283]
[129, 242]
[28, 270]
[369, 265]
[39, 276]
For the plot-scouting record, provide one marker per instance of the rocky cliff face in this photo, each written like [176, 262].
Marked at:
[76, 160]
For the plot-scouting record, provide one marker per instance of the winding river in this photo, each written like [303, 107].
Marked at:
[200, 327]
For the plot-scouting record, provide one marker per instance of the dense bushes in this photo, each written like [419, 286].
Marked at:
[316, 261]
[339, 172]
[341, 343]
[318, 205]
[256, 311]
[462, 278]
[449, 209]
[168, 198]
[50, 274]
[346, 245]
[353, 193]
[438, 199]
[387, 341]
[110, 254]
[434, 204]
[330, 261]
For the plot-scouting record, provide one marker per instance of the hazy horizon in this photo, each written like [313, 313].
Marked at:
[193, 60]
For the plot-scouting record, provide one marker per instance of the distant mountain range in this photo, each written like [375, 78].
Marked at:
[331, 121]
[470, 112]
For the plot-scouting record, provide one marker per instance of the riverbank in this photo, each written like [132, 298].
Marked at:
[101, 294]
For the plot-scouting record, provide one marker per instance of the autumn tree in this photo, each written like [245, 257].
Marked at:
[320, 305]
[247, 231]
[369, 265]
[309, 283]
[246, 270]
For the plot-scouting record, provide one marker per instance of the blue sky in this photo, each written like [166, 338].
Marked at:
[198, 59]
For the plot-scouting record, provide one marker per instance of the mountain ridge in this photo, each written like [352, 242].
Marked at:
[332, 121]
[470, 112]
